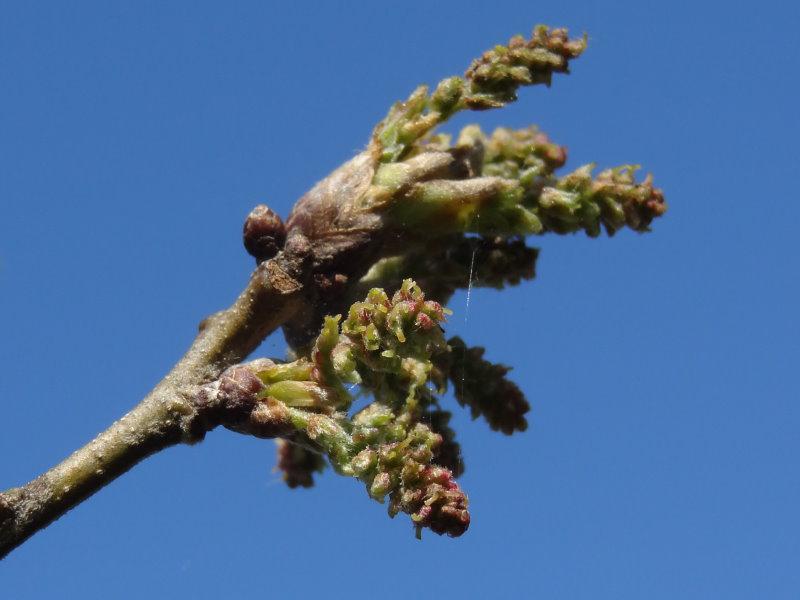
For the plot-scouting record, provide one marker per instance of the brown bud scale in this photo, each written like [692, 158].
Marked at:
[264, 233]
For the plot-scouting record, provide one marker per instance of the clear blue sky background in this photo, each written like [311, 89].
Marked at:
[662, 456]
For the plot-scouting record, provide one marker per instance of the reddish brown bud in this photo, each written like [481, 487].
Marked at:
[264, 233]
[298, 464]
[425, 322]
[442, 506]
[239, 387]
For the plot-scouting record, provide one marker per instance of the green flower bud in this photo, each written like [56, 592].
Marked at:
[380, 486]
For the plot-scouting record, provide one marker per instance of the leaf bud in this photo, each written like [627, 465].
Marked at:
[264, 233]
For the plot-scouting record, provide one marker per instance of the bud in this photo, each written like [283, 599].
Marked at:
[364, 461]
[264, 233]
[447, 95]
[239, 387]
[298, 464]
[380, 485]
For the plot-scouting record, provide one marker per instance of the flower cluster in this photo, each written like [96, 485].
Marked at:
[456, 262]
[526, 155]
[493, 79]
[483, 387]
[490, 82]
[519, 195]
[412, 199]
[410, 205]
[503, 184]
[395, 458]
[394, 339]
[612, 199]
[386, 346]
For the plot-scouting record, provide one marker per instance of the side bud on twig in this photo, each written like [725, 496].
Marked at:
[264, 233]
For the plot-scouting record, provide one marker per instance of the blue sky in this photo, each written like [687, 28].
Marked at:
[661, 459]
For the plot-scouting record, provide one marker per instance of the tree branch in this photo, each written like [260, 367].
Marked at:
[404, 206]
[169, 414]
